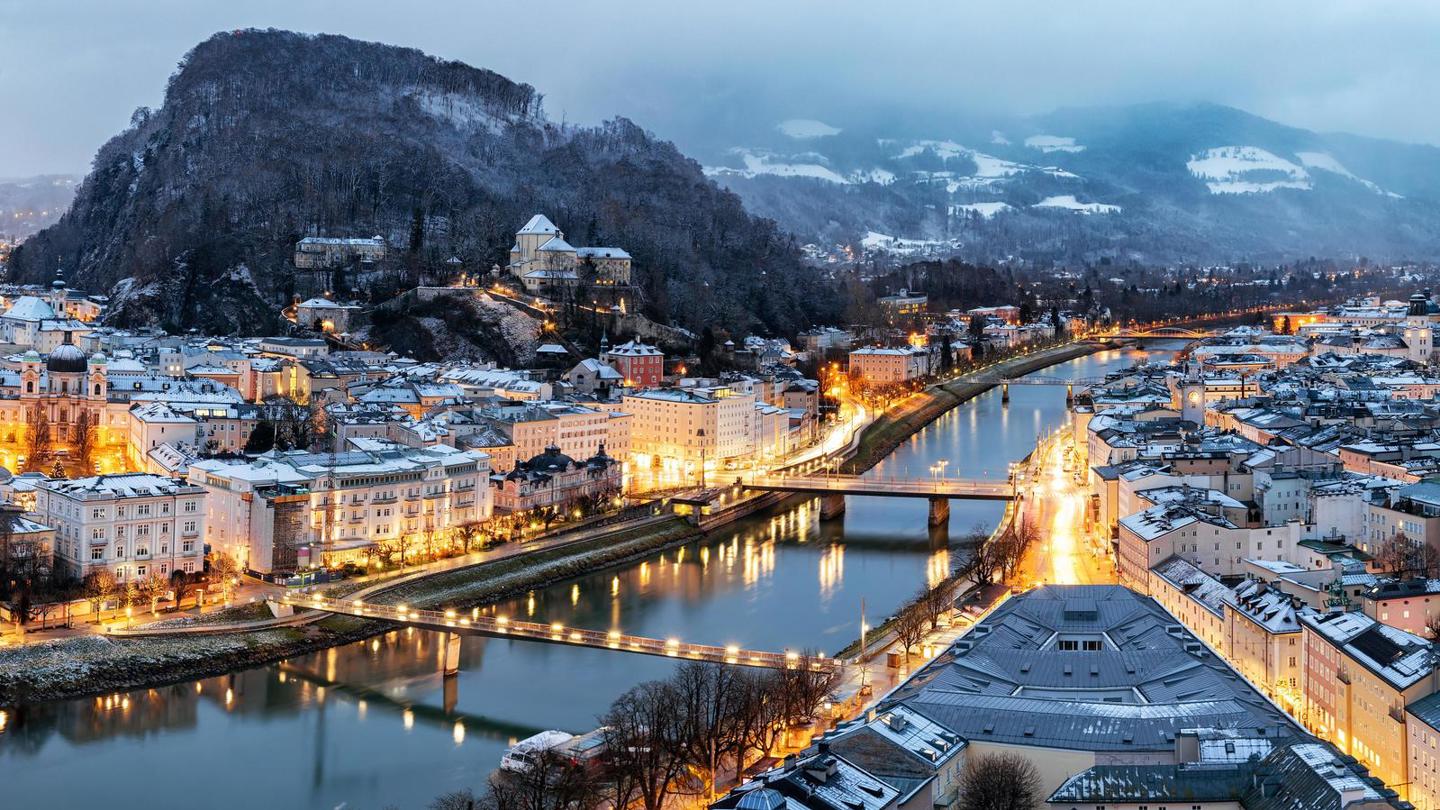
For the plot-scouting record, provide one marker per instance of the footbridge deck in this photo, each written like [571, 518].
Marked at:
[473, 623]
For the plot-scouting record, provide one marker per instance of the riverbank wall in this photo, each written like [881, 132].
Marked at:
[890, 430]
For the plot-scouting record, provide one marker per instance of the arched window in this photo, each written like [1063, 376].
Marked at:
[64, 386]
[97, 389]
[29, 386]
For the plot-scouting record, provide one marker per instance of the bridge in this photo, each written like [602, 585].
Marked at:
[1161, 332]
[834, 488]
[457, 624]
[1035, 379]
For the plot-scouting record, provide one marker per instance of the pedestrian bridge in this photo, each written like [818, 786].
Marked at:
[459, 623]
[834, 488]
[1161, 332]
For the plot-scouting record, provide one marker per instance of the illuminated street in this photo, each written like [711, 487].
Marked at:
[1057, 504]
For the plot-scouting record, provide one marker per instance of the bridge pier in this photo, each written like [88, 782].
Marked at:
[831, 506]
[1005, 393]
[939, 511]
[450, 664]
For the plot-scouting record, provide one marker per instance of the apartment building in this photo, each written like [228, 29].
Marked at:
[682, 426]
[288, 511]
[133, 525]
[1359, 676]
[639, 365]
[879, 366]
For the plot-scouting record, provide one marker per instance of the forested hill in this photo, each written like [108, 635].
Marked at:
[189, 217]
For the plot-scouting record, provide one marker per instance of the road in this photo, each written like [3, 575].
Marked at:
[1057, 504]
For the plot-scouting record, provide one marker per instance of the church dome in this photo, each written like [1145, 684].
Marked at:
[67, 357]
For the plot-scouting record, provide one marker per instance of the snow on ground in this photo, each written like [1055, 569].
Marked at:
[1246, 170]
[875, 241]
[805, 128]
[986, 210]
[998, 138]
[986, 166]
[1321, 161]
[882, 176]
[1053, 143]
[756, 165]
[1068, 202]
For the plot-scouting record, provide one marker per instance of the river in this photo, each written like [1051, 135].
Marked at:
[374, 725]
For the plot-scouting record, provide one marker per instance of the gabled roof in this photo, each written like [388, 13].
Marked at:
[557, 245]
[539, 224]
[30, 308]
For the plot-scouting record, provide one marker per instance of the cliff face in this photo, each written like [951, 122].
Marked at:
[189, 217]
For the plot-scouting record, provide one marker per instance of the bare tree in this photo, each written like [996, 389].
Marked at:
[553, 782]
[459, 800]
[223, 569]
[645, 741]
[99, 588]
[153, 587]
[1000, 782]
[84, 442]
[712, 699]
[39, 435]
[468, 532]
[909, 628]
[295, 424]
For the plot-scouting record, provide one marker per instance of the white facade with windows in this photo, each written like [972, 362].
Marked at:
[378, 492]
[134, 525]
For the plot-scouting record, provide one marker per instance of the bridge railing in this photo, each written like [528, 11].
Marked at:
[558, 633]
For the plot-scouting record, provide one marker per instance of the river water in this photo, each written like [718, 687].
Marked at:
[374, 725]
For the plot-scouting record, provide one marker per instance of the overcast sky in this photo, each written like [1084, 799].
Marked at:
[72, 71]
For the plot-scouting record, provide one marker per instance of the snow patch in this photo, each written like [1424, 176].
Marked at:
[756, 165]
[460, 111]
[1069, 203]
[1321, 161]
[986, 210]
[989, 170]
[882, 176]
[998, 138]
[806, 128]
[1246, 170]
[875, 241]
[1053, 143]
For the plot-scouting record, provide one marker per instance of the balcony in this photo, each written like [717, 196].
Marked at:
[1342, 676]
[1397, 714]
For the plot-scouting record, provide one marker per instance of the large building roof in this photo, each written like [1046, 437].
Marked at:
[1024, 676]
[30, 308]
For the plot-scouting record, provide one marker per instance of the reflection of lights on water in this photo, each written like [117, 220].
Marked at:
[229, 697]
[615, 586]
[457, 732]
[704, 558]
[644, 575]
[574, 594]
[198, 688]
[4, 720]
[361, 708]
[530, 604]
[832, 570]
[375, 646]
[937, 568]
[282, 676]
[409, 718]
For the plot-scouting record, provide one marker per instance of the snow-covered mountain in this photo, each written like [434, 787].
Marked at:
[1156, 182]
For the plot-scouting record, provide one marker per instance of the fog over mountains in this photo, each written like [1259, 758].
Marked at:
[1153, 183]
